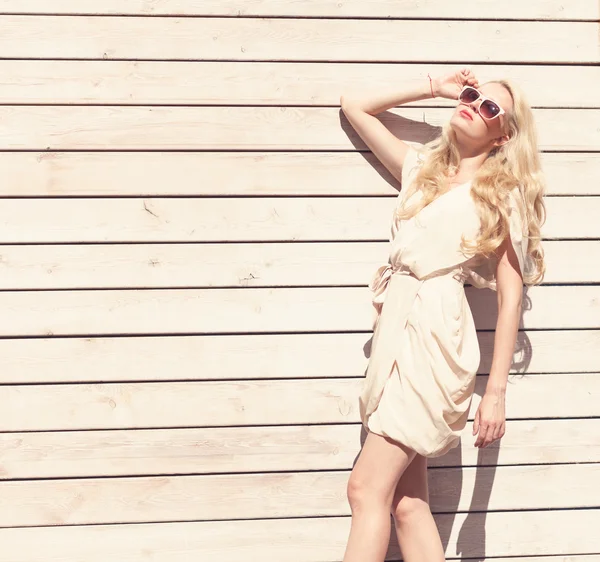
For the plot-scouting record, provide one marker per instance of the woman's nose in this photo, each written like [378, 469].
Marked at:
[475, 105]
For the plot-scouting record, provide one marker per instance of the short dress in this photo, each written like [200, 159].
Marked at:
[424, 352]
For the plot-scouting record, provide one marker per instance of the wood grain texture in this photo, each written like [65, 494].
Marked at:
[240, 403]
[282, 495]
[236, 265]
[242, 83]
[257, 356]
[249, 128]
[268, 219]
[561, 533]
[235, 450]
[223, 173]
[206, 311]
[511, 9]
[298, 39]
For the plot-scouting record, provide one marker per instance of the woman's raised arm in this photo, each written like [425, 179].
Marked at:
[360, 112]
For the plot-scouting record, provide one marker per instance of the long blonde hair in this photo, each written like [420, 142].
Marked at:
[514, 164]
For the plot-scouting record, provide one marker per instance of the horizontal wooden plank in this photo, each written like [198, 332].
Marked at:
[249, 128]
[252, 496]
[256, 356]
[178, 219]
[58, 454]
[511, 9]
[191, 311]
[299, 39]
[268, 83]
[55, 174]
[274, 264]
[561, 533]
[237, 403]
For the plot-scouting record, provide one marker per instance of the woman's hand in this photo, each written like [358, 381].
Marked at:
[490, 418]
[450, 85]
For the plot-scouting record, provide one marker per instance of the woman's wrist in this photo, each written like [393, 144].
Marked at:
[496, 388]
[433, 87]
[437, 90]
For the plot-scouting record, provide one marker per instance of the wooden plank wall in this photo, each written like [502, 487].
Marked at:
[187, 227]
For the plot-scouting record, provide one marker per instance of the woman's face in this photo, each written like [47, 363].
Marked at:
[475, 131]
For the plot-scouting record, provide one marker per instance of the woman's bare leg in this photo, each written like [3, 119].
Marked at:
[370, 492]
[418, 535]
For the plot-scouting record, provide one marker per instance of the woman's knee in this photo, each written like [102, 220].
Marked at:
[407, 507]
[361, 492]
[356, 491]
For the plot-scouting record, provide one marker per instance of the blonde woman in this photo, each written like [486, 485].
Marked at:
[470, 209]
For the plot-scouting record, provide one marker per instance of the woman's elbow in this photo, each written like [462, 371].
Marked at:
[345, 101]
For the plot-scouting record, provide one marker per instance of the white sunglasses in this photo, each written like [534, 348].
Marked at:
[488, 108]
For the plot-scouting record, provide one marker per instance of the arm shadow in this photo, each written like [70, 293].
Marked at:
[401, 127]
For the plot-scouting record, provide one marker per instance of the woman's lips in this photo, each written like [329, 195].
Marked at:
[466, 114]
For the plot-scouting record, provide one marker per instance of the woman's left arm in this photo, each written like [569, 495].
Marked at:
[490, 419]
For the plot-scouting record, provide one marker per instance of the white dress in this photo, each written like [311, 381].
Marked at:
[425, 352]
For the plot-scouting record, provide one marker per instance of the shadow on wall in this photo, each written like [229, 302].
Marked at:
[401, 127]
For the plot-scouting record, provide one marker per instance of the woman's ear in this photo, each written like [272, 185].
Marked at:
[499, 141]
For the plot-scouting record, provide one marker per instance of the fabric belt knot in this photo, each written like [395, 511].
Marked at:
[381, 280]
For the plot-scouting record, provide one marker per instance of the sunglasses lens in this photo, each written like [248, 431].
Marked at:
[469, 95]
[489, 109]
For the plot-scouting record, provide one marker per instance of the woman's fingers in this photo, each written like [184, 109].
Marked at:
[469, 77]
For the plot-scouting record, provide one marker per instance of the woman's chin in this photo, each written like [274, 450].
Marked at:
[458, 121]
[462, 128]
[458, 126]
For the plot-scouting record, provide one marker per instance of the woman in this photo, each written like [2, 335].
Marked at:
[470, 208]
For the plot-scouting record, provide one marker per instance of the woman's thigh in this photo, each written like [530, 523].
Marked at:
[379, 467]
[412, 487]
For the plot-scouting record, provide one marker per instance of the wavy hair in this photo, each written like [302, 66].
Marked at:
[513, 164]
